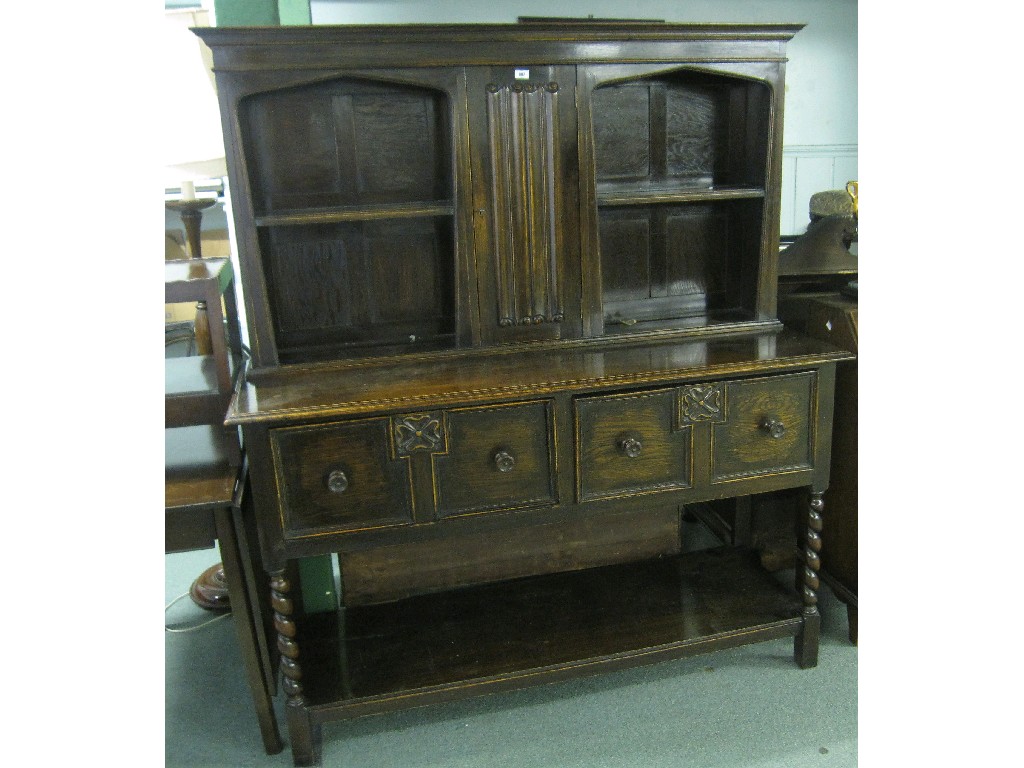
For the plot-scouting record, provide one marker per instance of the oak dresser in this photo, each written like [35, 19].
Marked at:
[511, 301]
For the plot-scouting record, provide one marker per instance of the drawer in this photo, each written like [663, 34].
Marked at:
[631, 444]
[340, 476]
[768, 427]
[498, 458]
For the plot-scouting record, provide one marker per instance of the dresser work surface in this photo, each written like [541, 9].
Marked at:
[501, 531]
[511, 299]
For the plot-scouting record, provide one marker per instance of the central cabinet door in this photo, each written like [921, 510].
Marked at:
[525, 200]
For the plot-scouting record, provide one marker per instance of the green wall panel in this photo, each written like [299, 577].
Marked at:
[246, 13]
[261, 13]
[293, 11]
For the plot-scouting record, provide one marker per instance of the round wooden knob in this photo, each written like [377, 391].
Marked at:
[504, 461]
[773, 427]
[337, 481]
[631, 446]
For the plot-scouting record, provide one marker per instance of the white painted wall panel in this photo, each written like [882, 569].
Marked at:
[810, 169]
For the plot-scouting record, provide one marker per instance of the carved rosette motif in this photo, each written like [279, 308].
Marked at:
[810, 554]
[701, 402]
[286, 643]
[418, 432]
[522, 134]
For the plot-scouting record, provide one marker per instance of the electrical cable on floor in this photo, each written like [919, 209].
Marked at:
[182, 630]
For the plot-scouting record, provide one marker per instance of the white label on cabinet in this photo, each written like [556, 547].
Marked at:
[522, 74]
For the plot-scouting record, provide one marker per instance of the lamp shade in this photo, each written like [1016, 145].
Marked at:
[192, 145]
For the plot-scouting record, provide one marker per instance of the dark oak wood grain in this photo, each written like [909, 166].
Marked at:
[469, 554]
[499, 457]
[511, 297]
[769, 427]
[630, 444]
[499, 636]
[497, 374]
[341, 476]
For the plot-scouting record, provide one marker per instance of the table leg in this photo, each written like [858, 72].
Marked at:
[305, 735]
[247, 629]
[806, 645]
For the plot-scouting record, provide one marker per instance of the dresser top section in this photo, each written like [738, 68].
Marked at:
[428, 383]
[481, 32]
[554, 43]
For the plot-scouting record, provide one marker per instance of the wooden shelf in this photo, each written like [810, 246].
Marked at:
[617, 322]
[200, 478]
[198, 471]
[191, 392]
[195, 374]
[641, 194]
[358, 213]
[194, 279]
[507, 635]
[326, 352]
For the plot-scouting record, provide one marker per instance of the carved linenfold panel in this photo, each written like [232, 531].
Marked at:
[419, 432]
[523, 157]
[701, 402]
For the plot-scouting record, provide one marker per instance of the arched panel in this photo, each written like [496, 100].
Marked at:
[347, 142]
[682, 127]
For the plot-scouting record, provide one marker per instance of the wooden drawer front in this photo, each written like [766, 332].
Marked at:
[340, 477]
[630, 444]
[498, 457]
[768, 427]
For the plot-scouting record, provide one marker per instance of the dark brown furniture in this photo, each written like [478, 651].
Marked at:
[833, 316]
[198, 388]
[818, 297]
[206, 488]
[208, 501]
[511, 294]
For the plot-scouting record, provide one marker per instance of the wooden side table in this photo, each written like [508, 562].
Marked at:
[197, 388]
[207, 499]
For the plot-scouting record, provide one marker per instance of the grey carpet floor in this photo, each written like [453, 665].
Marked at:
[749, 706]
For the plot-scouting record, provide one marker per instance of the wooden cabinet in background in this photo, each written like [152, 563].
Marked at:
[833, 317]
[511, 294]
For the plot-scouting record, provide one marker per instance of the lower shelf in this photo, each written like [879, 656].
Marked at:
[513, 634]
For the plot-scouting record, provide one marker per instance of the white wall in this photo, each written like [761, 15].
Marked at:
[820, 135]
